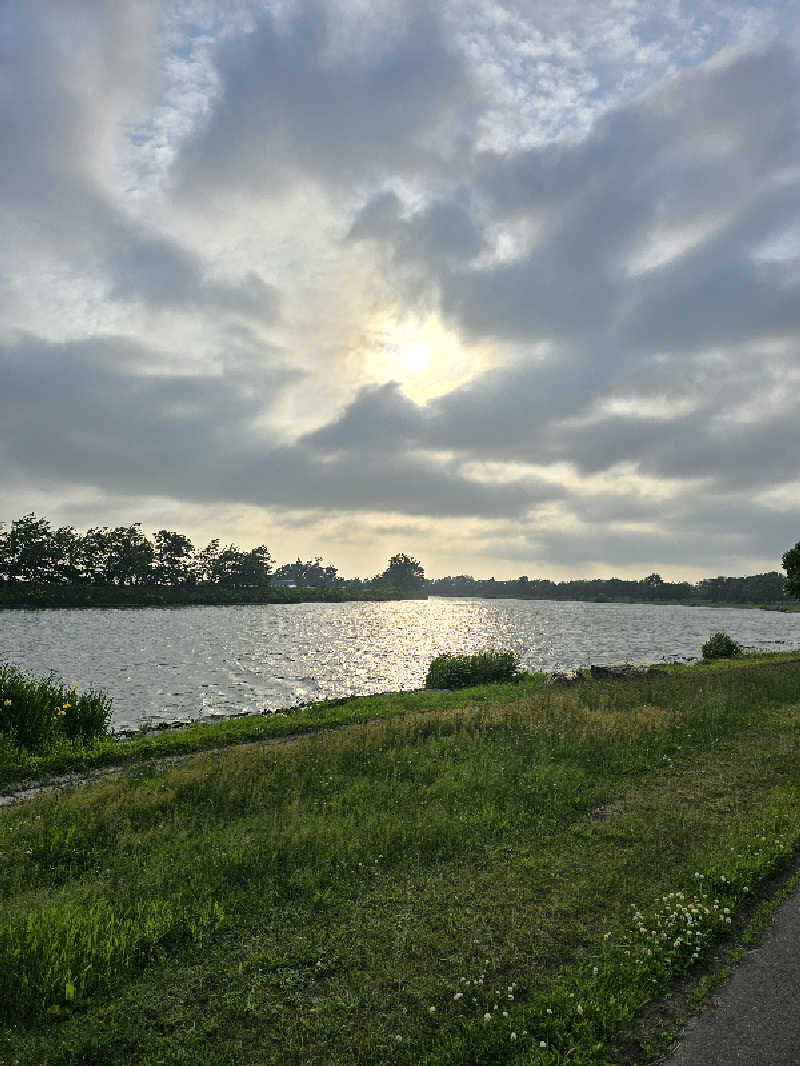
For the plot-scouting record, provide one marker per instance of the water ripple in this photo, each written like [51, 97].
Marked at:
[168, 664]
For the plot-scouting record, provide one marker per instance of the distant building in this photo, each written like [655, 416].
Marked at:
[284, 582]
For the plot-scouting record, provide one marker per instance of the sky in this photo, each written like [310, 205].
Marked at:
[510, 287]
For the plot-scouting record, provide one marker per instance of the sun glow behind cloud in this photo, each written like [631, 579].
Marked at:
[420, 353]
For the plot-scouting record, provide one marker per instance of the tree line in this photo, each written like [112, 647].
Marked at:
[32, 550]
[758, 588]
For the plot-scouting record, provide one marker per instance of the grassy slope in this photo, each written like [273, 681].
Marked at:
[312, 902]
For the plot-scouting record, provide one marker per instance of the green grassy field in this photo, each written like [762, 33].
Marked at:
[500, 875]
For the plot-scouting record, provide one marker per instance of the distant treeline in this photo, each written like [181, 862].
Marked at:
[59, 567]
[757, 589]
[47, 566]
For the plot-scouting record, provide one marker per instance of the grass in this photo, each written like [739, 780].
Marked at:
[492, 876]
[40, 715]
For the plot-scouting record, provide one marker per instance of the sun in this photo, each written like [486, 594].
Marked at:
[417, 357]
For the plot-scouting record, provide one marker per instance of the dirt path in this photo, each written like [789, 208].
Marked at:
[32, 787]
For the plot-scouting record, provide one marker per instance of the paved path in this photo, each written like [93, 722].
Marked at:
[755, 1019]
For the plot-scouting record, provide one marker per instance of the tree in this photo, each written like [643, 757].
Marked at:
[131, 555]
[68, 556]
[207, 562]
[404, 573]
[97, 550]
[309, 573]
[227, 566]
[173, 554]
[29, 549]
[254, 568]
[791, 564]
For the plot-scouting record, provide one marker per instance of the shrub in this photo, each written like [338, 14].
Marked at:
[35, 715]
[721, 646]
[462, 671]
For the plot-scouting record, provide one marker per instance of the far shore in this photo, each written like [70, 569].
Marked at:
[32, 596]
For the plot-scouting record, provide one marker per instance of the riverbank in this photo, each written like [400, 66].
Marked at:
[27, 595]
[487, 876]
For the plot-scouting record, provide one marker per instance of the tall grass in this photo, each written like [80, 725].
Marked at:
[36, 714]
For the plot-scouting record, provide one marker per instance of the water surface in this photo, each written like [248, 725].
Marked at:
[182, 663]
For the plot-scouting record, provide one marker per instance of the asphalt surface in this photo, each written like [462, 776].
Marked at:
[755, 1016]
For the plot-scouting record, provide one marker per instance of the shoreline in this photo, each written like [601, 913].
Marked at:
[119, 750]
[167, 598]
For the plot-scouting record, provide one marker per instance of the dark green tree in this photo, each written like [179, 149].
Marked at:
[28, 549]
[131, 556]
[404, 573]
[68, 556]
[97, 555]
[206, 562]
[253, 568]
[791, 564]
[226, 568]
[308, 573]
[173, 558]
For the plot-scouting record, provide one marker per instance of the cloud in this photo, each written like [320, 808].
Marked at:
[215, 217]
[332, 93]
[93, 413]
[380, 418]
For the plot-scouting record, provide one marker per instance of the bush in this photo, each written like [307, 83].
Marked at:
[721, 646]
[462, 671]
[36, 715]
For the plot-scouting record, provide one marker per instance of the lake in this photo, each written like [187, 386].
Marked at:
[183, 663]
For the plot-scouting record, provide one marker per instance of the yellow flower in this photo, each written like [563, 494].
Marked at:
[66, 707]
[6, 703]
